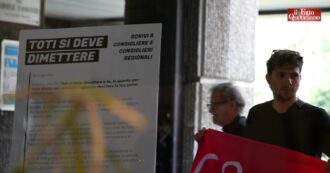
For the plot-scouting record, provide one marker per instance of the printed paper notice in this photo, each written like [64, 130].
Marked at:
[9, 58]
[99, 76]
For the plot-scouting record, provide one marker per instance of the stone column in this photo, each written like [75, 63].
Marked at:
[218, 46]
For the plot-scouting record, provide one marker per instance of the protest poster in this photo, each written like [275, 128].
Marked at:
[103, 76]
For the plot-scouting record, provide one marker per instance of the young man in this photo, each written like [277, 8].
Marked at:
[226, 106]
[286, 120]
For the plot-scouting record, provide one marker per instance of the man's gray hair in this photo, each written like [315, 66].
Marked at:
[230, 92]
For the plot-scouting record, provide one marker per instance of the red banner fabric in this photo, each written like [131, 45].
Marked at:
[225, 153]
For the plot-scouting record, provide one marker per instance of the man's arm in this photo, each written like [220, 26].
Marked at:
[199, 136]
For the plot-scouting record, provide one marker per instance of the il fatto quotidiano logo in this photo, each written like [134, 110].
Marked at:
[304, 14]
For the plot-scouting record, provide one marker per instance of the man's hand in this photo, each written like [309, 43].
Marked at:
[199, 136]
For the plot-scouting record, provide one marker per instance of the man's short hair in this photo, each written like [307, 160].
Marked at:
[229, 92]
[284, 57]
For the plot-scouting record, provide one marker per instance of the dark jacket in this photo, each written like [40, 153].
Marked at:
[236, 127]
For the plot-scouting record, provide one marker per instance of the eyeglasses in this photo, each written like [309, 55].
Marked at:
[214, 105]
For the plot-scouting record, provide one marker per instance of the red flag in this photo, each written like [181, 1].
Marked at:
[225, 153]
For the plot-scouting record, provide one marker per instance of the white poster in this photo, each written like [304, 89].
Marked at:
[80, 87]
[20, 11]
[9, 58]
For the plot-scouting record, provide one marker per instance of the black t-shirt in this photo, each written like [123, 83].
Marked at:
[304, 127]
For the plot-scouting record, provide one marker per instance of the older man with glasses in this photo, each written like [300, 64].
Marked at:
[226, 105]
